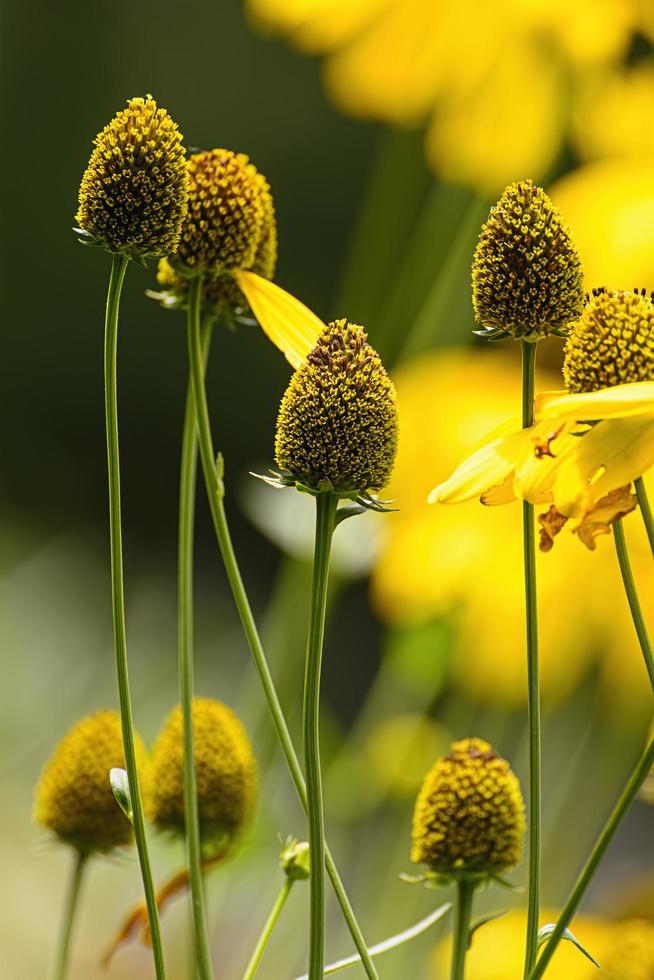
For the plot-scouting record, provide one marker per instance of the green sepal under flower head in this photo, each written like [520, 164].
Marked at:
[469, 817]
[294, 859]
[527, 280]
[134, 193]
[74, 798]
[230, 223]
[612, 342]
[337, 423]
[225, 772]
[359, 503]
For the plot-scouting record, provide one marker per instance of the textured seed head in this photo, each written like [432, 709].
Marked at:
[612, 343]
[469, 814]
[337, 421]
[231, 218]
[225, 772]
[632, 953]
[74, 796]
[526, 274]
[134, 192]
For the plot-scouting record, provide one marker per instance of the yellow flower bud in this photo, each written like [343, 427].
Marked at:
[134, 192]
[74, 796]
[469, 814]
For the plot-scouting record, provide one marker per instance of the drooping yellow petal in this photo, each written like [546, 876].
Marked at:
[621, 401]
[485, 469]
[288, 323]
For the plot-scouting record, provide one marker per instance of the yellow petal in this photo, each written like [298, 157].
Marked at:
[485, 469]
[620, 401]
[287, 322]
[535, 477]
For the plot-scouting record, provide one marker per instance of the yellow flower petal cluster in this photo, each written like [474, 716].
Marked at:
[74, 796]
[225, 772]
[134, 193]
[632, 955]
[469, 814]
[337, 424]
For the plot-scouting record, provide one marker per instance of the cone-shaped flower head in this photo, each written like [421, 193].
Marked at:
[225, 772]
[632, 952]
[527, 279]
[469, 814]
[74, 796]
[230, 223]
[612, 343]
[337, 424]
[134, 192]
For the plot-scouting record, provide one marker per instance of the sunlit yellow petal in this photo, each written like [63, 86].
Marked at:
[287, 322]
[486, 468]
[535, 476]
[620, 401]
[608, 117]
[315, 26]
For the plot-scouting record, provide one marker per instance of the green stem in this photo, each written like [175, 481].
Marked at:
[326, 504]
[645, 510]
[215, 492]
[60, 959]
[632, 598]
[271, 922]
[118, 269]
[533, 686]
[583, 881]
[187, 493]
[461, 938]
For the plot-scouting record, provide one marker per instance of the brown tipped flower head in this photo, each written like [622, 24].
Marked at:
[134, 193]
[225, 772]
[337, 424]
[527, 279]
[469, 814]
[231, 218]
[631, 956]
[74, 796]
[612, 343]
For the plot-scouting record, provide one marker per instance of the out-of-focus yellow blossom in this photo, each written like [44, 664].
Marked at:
[465, 562]
[608, 118]
[400, 749]
[632, 955]
[494, 79]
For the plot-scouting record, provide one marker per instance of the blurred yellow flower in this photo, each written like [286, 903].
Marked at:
[608, 117]
[465, 562]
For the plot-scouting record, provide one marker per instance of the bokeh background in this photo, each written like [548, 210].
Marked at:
[386, 128]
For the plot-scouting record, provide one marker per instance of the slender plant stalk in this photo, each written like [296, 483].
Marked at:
[326, 504]
[533, 685]
[629, 793]
[215, 491]
[632, 598]
[461, 937]
[118, 269]
[645, 510]
[267, 931]
[62, 949]
[187, 488]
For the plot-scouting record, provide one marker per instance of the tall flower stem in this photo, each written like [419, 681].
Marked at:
[326, 504]
[632, 598]
[215, 492]
[533, 685]
[60, 959]
[461, 937]
[266, 933]
[118, 269]
[645, 510]
[187, 492]
[629, 793]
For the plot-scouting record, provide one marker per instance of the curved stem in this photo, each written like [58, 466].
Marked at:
[326, 504]
[187, 488]
[461, 938]
[60, 959]
[266, 933]
[632, 598]
[215, 491]
[645, 510]
[583, 881]
[118, 269]
[533, 684]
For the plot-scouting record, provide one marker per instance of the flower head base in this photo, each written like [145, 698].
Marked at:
[337, 423]
[230, 223]
[74, 796]
[526, 274]
[133, 196]
[225, 773]
[469, 817]
[612, 343]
